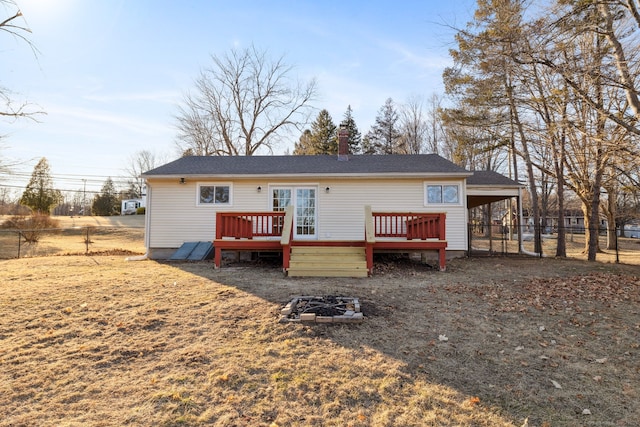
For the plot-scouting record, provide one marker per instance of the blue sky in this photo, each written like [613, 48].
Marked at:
[110, 74]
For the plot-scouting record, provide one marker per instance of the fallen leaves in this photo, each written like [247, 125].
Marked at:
[556, 384]
[552, 294]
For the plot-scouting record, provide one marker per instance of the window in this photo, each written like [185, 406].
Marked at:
[214, 195]
[443, 194]
[303, 199]
[281, 199]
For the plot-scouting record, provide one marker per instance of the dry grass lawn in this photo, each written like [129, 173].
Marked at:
[98, 341]
[105, 235]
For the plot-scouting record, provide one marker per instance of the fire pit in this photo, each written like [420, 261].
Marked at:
[326, 309]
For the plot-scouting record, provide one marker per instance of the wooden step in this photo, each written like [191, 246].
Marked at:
[328, 261]
[327, 273]
[327, 250]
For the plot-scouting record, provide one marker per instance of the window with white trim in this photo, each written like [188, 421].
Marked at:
[214, 194]
[443, 194]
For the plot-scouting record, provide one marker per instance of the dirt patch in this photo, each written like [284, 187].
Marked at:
[99, 341]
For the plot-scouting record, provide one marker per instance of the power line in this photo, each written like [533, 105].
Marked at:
[68, 177]
[78, 190]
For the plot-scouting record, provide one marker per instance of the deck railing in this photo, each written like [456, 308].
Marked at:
[418, 226]
[408, 231]
[247, 225]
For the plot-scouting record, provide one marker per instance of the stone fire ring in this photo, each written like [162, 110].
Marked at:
[322, 309]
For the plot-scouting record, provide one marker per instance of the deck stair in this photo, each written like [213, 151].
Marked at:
[328, 261]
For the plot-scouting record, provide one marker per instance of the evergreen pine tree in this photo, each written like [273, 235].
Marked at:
[355, 138]
[324, 134]
[106, 203]
[367, 146]
[40, 195]
[303, 146]
[384, 135]
[321, 139]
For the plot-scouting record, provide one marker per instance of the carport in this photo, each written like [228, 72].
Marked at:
[487, 187]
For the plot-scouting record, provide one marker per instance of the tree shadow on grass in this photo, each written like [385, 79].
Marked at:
[448, 329]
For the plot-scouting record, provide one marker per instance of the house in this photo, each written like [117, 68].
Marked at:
[573, 221]
[130, 206]
[327, 215]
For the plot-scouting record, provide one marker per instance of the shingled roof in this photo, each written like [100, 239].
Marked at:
[491, 178]
[418, 164]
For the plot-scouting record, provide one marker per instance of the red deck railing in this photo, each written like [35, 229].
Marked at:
[419, 226]
[408, 231]
[244, 225]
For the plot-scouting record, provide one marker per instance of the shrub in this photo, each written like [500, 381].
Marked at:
[31, 226]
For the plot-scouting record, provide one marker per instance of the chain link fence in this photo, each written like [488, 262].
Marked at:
[71, 241]
[496, 239]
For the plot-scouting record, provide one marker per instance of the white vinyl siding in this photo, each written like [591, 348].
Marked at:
[341, 210]
[175, 217]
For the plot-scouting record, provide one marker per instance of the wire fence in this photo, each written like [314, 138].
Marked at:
[496, 239]
[71, 241]
[484, 240]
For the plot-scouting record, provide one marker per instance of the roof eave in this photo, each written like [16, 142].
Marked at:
[458, 175]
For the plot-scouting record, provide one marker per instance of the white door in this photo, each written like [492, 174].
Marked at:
[303, 199]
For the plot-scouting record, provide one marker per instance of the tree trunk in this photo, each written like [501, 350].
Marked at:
[611, 222]
[622, 64]
[592, 226]
[515, 120]
[559, 160]
[561, 242]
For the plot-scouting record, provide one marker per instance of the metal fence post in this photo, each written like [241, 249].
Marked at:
[617, 251]
[19, 242]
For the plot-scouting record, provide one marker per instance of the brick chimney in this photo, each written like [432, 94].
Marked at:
[343, 144]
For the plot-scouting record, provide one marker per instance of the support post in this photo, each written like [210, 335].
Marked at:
[370, 237]
[285, 240]
[217, 258]
[442, 252]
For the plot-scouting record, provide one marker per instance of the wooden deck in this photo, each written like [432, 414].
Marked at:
[384, 231]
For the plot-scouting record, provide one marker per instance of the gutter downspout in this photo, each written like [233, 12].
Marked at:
[147, 221]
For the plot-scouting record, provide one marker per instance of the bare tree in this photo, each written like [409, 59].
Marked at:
[413, 126]
[14, 26]
[244, 102]
[614, 22]
[141, 162]
[434, 137]
[607, 11]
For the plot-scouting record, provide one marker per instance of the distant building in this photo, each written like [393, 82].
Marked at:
[130, 206]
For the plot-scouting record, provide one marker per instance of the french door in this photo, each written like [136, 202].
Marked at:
[303, 200]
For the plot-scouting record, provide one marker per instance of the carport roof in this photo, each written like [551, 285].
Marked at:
[491, 178]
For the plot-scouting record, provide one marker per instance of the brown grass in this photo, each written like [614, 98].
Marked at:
[628, 248]
[78, 235]
[100, 341]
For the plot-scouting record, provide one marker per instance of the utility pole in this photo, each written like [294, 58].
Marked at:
[84, 197]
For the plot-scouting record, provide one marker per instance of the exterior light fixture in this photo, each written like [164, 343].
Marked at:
[182, 181]
[259, 189]
[327, 189]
